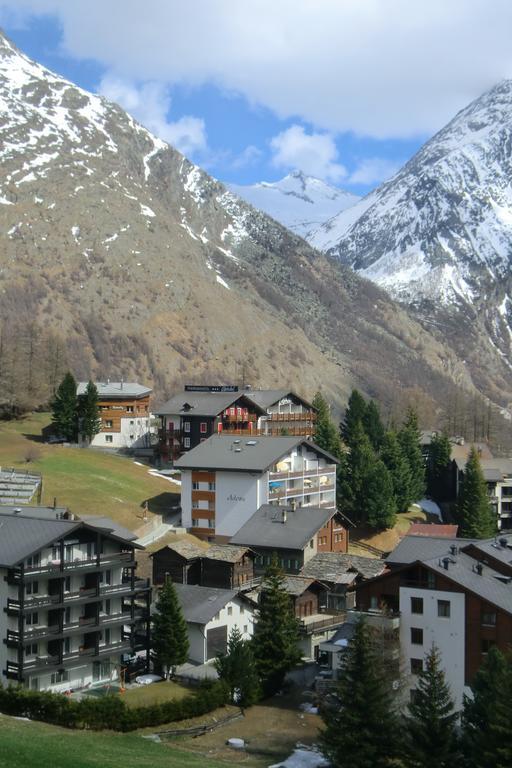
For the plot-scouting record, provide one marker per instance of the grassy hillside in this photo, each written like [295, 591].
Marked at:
[35, 745]
[87, 481]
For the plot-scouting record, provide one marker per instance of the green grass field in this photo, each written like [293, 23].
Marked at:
[26, 744]
[86, 481]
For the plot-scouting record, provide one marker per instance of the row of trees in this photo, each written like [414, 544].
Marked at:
[474, 513]
[72, 413]
[381, 472]
[250, 668]
[365, 726]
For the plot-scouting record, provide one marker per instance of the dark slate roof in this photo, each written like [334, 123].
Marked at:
[116, 389]
[297, 585]
[21, 536]
[228, 553]
[461, 570]
[186, 549]
[268, 397]
[108, 524]
[205, 403]
[244, 454]
[412, 548]
[340, 568]
[200, 604]
[43, 513]
[266, 529]
[496, 549]
[495, 470]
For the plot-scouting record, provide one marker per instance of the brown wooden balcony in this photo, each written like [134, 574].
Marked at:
[305, 416]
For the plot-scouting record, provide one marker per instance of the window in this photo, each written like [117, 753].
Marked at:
[195, 485]
[55, 553]
[195, 523]
[186, 426]
[32, 588]
[416, 636]
[416, 605]
[107, 637]
[230, 610]
[311, 544]
[489, 618]
[107, 607]
[443, 608]
[60, 677]
[186, 442]
[132, 437]
[211, 486]
[34, 561]
[32, 618]
[486, 644]
[242, 610]
[129, 408]
[416, 666]
[195, 504]
[245, 629]
[31, 649]
[132, 422]
[211, 523]
[108, 423]
[203, 427]
[109, 439]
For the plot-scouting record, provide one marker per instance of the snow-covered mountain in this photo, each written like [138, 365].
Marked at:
[299, 202]
[441, 229]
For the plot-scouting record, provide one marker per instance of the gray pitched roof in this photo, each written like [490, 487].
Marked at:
[495, 470]
[110, 525]
[116, 389]
[412, 548]
[494, 548]
[228, 553]
[269, 397]
[244, 454]
[200, 604]
[340, 568]
[296, 585]
[20, 537]
[266, 529]
[186, 549]
[205, 403]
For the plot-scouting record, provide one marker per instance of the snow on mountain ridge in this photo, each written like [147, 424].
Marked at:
[297, 201]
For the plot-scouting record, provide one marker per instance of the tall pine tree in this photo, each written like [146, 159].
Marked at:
[326, 435]
[438, 467]
[409, 439]
[275, 642]
[237, 669]
[64, 409]
[487, 716]
[362, 730]
[379, 498]
[394, 459]
[474, 513]
[356, 409]
[373, 426]
[431, 736]
[169, 632]
[89, 412]
[361, 460]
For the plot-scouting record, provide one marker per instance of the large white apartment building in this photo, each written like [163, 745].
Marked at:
[71, 605]
[225, 479]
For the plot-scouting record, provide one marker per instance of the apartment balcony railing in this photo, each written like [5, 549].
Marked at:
[238, 418]
[305, 416]
[57, 567]
[311, 624]
[32, 602]
[328, 469]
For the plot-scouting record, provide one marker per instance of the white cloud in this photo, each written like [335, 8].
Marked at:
[249, 156]
[150, 103]
[314, 153]
[382, 69]
[373, 170]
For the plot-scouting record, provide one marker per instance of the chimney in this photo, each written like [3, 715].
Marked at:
[446, 563]
[479, 568]
[503, 542]
[453, 549]
[283, 515]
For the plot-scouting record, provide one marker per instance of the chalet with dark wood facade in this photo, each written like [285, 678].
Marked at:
[220, 566]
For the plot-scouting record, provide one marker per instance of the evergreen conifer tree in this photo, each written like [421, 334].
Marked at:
[64, 409]
[356, 409]
[362, 729]
[409, 439]
[373, 426]
[438, 466]
[326, 435]
[276, 633]
[474, 512]
[394, 459]
[487, 716]
[361, 461]
[169, 632]
[431, 735]
[379, 498]
[89, 412]
[237, 669]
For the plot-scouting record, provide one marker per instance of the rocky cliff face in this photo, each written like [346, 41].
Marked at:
[438, 236]
[151, 269]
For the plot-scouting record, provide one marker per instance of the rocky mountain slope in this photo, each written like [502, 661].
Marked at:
[438, 237]
[149, 268]
[299, 202]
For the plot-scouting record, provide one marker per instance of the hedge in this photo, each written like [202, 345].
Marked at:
[108, 712]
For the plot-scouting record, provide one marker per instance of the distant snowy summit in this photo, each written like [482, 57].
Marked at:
[299, 202]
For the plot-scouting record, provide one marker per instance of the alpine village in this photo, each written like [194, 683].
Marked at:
[255, 509]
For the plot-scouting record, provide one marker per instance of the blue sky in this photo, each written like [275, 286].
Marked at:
[337, 88]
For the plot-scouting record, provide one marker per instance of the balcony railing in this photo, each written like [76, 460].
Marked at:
[238, 418]
[329, 469]
[305, 416]
[310, 624]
